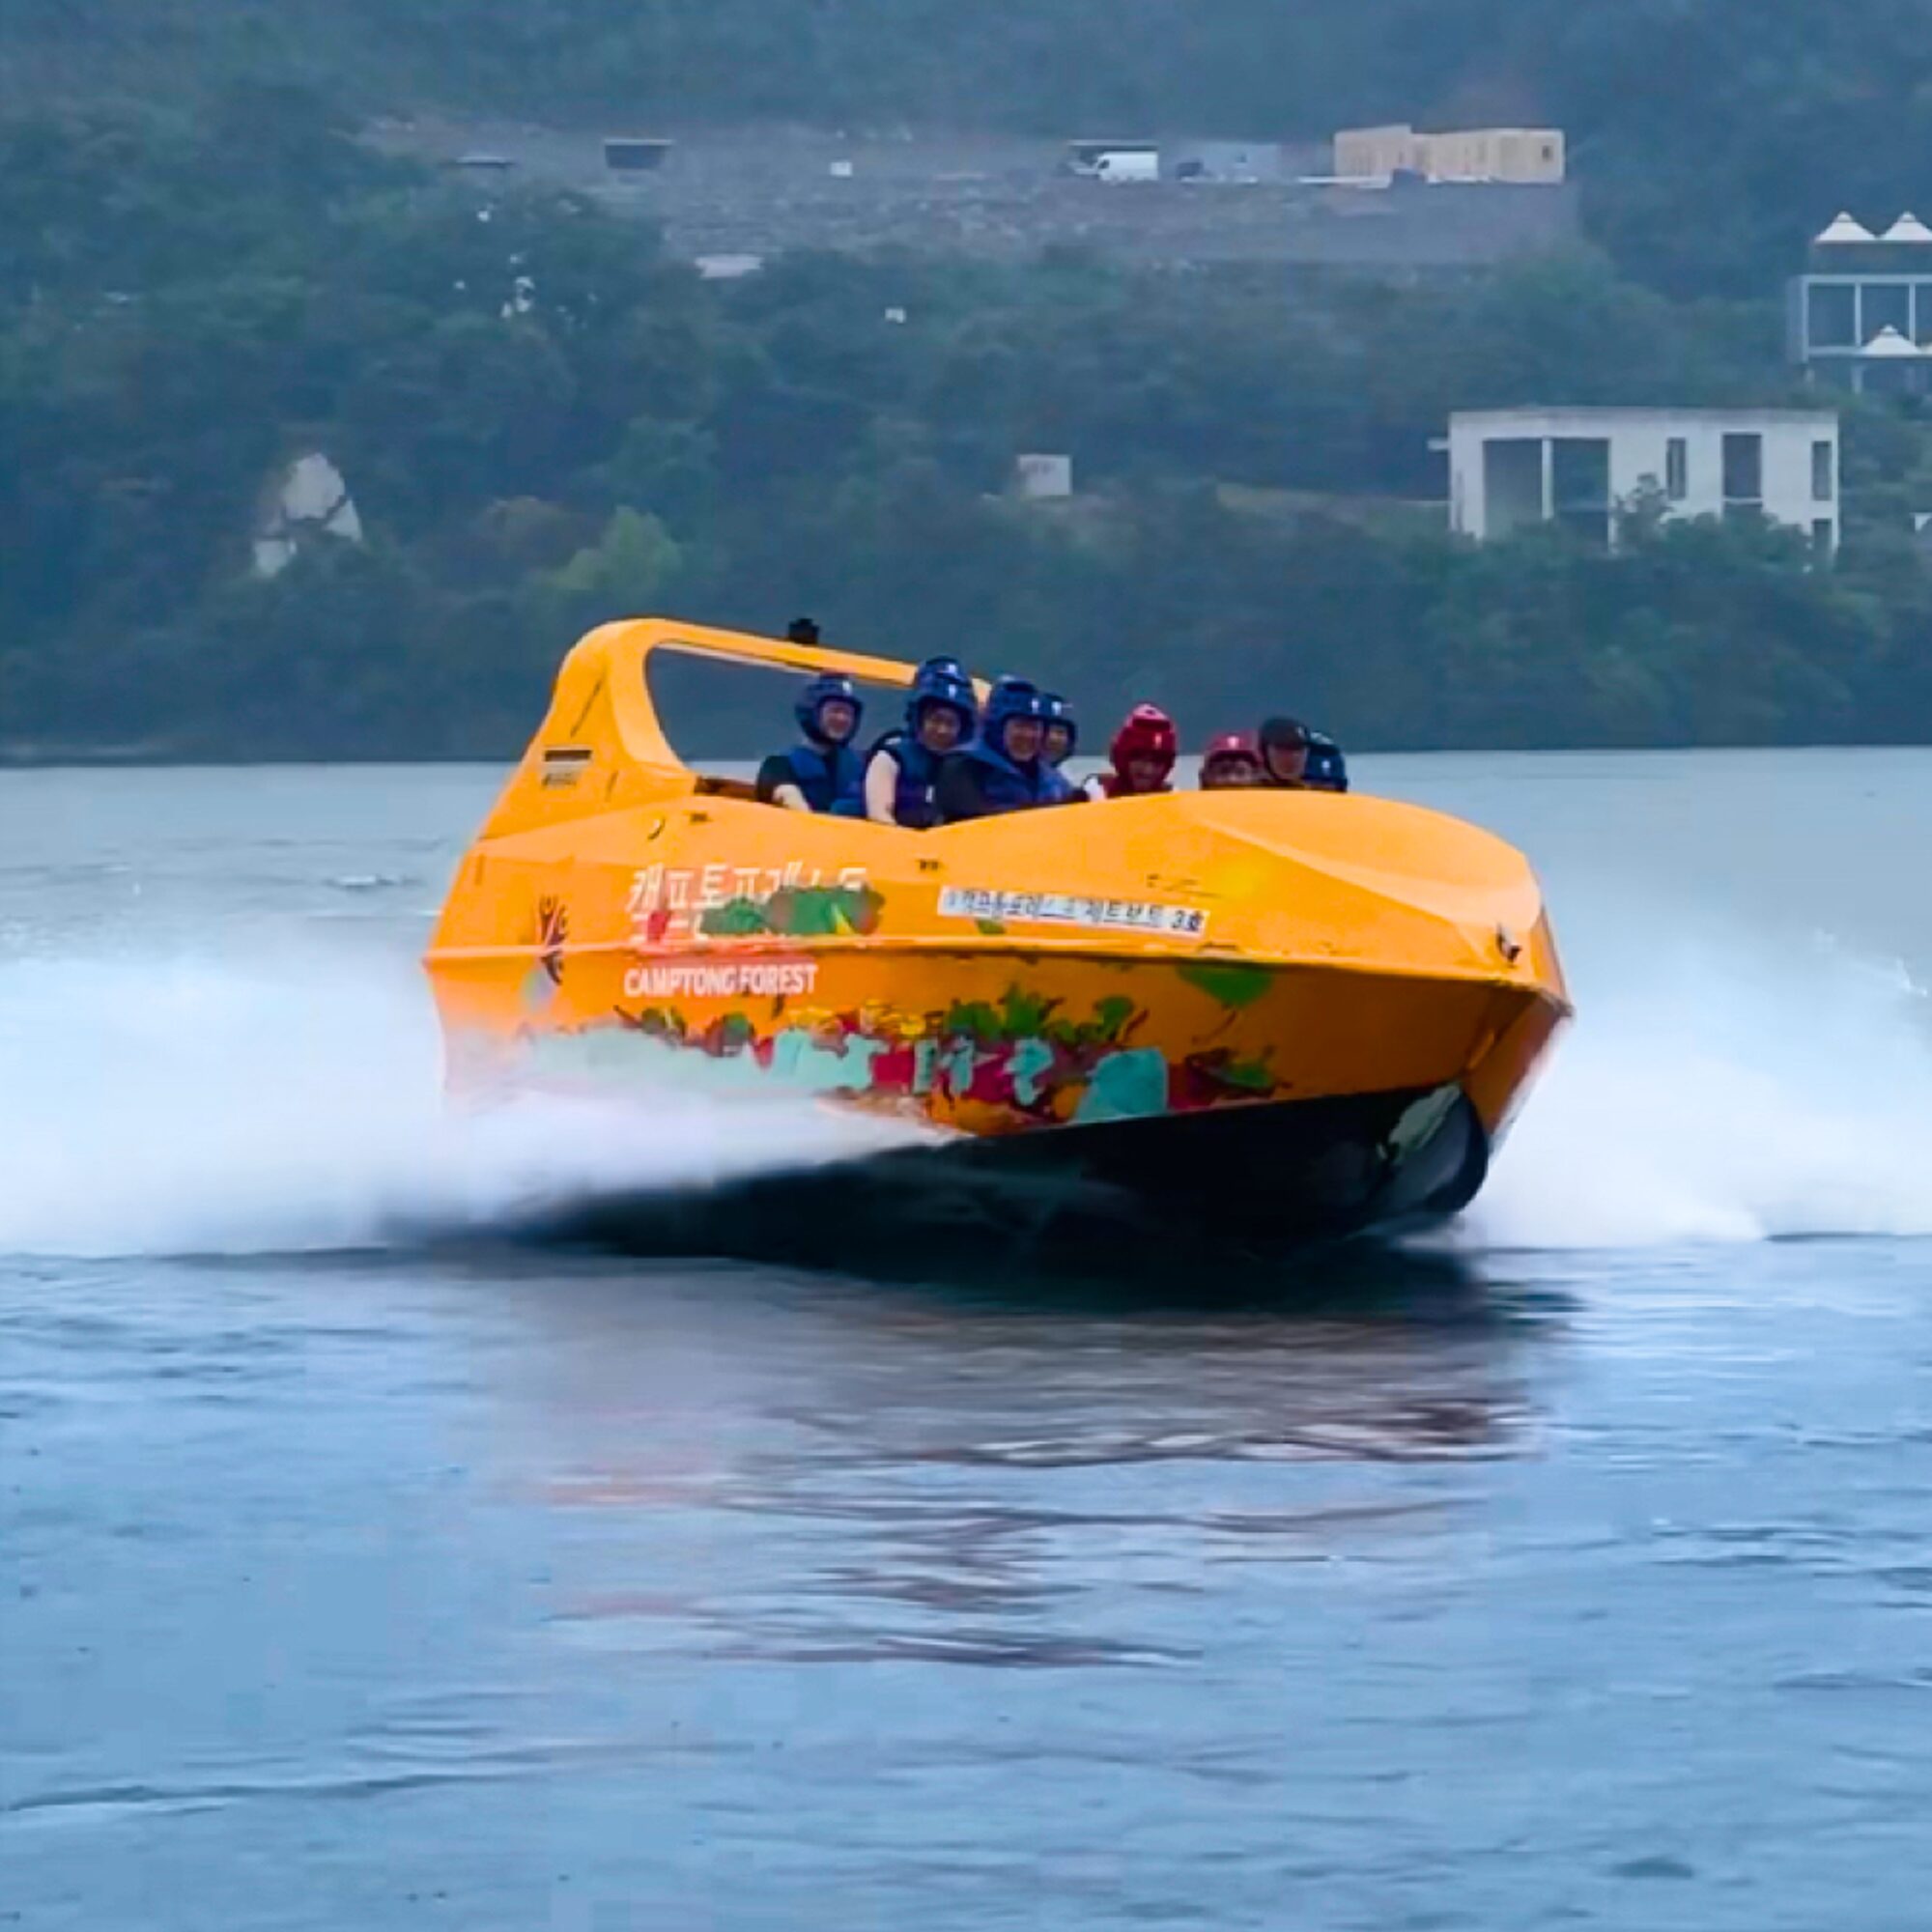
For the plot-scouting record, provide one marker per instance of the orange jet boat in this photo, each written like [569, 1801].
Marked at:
[1288, 1014]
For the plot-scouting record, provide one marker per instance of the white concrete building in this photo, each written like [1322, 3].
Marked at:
[1584, 466]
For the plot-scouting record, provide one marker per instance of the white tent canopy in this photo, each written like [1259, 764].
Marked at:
[1889, 343]
[1845, 228]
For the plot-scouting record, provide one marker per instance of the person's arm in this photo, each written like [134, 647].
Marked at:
[777, 785]
[882, 789]
[957, 794]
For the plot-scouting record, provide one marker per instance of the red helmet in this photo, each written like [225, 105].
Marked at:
[1228, 748]
[1232, 744]
[1148, 733]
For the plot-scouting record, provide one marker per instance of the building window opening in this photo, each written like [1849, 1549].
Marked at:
[1885, 305]
[1511, 484]
[1824, 537]
[1579, 486]
[1677, 468]
[1744, 471]
[1832, 316]
[1824, 478]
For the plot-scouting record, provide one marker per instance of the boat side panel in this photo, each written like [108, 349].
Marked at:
[922, 975]
[987, 1041]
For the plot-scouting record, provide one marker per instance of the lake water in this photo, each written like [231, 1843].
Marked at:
[360, 1568]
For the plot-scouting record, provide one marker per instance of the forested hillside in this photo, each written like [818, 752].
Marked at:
[1711, 134]
[544, 421]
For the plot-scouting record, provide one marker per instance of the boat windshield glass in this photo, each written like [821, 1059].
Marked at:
[722, 715]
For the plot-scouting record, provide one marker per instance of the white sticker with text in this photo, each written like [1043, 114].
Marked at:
[1071, 909]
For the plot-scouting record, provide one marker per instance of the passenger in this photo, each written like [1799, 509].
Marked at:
[1062, 733]
[1285, 753]
[823, 774]
[1327, 770]
[1141, 754]
[1233, 763]
[1002, 769]
[902, 774]
[1057, 744]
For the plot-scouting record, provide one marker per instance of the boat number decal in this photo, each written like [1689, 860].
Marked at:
[1071, 909]
[721, 980]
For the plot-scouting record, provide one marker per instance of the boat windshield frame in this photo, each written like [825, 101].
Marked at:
[627, 647]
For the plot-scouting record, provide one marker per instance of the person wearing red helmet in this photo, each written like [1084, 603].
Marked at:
[1142, 756]
[1231, 762]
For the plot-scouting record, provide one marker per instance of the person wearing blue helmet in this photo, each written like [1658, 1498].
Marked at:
[903, 773]
[1062, 738]
[822, 773]
[1002, 769]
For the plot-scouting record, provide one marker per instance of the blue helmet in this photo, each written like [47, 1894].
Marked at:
[943, 681]
[1059, 712]
[1327, 770]
[821, 690]
[1012, 697]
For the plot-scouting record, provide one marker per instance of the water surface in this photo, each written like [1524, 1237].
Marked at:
[366, 1570]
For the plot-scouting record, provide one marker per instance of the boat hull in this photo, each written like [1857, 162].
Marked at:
[1267, 1171]
[1145, 1199]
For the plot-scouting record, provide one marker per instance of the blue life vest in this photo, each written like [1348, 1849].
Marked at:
[1056, 787]
[831, 779]
[1008, 786]
[918, 773]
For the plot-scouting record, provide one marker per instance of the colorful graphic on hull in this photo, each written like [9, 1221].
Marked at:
[1019, 1062]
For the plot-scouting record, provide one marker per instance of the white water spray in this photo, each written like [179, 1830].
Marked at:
[186, 1107]
[1716, 1090]
[1706, 1093]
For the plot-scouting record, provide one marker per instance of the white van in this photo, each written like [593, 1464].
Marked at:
[1122, 165]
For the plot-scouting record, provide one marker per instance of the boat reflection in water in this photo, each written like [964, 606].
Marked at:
[931, 1475]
